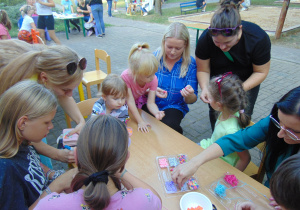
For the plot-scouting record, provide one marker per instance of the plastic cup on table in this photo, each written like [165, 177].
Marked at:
[193, 200]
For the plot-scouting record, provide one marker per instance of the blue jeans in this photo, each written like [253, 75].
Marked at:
[97, 11]
[109, 3]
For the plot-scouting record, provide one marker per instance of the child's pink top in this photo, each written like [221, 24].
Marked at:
[137, 199]
[4, 31]
[136, 90]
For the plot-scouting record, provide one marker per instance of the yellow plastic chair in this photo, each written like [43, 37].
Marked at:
[254, 171]
[95, 77]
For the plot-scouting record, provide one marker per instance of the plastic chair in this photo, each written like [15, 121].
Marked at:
[96, 77]
[85, 108]
[36, 37]
[254, 171]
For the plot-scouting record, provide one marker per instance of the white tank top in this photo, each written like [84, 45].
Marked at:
[42, 9]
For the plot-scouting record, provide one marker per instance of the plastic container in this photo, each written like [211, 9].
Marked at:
[194, 199]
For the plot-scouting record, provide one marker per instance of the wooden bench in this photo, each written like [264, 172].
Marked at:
[188, 6]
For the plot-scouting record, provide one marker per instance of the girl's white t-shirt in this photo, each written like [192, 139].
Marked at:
[42, 9]
[26, 23]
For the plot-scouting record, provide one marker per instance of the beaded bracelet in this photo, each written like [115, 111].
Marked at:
[123, 173]
[48, 191]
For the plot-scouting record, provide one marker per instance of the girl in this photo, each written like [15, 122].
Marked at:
[97, 11]
[177, 79]
[26, 111]
[112, 101]
[280, 130]
[68, 10]
[58, 68]
[5, 25]
[227, 96]
[82, 8]
[28, 24]
[102, 151]
[139, 78]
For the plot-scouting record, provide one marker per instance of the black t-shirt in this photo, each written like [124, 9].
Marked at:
[254, 47]
[199, 3]
[93, 2]
[84, 8]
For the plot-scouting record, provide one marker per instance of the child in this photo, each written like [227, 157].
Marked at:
[68, 10]
[201, 4]
[26, 111]
[28, 24]
[112, 101]
[226, 95]
[284, 186]
[5, 25]
[139, 78]
[102, 152]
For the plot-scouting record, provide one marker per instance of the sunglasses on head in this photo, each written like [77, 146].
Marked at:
[223, 31]
[219, 80]
[71, 67]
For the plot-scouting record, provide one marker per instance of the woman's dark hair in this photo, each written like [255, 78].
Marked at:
[102, 145]
[285, 183]
[289, 104]
[227, 16]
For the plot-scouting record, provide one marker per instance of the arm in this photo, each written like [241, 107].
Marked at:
[50, 3]
[64, 155]
[33, 25]
[152, 107]
[244, 160]
[184, 171]
[259, 74]
[142, 125]
[70, 107]
[160, 93]
[203, 76]
[3, 36]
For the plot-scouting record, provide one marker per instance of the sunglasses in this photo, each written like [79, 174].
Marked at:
[288, 132]
[219, 80]
[71, 67]
[224, 31]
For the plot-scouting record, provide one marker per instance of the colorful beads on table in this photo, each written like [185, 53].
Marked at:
[173, 161]
[220, 190]
[170, 187]
[192, 183]
[196, 208]
[182, 158]
[231, 179]
[184, 186]
[163, 163]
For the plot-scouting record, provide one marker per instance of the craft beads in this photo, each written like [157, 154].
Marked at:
[184, 186]
[192, 183]
[173, 162]
[231, 179]
[163, 163]
[182, 159]
[170, 186]
[220, 190]
[196, 208]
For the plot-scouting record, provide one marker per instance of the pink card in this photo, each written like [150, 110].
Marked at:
[69, 140]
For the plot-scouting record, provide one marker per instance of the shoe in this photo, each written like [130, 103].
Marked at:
[145, 13]
[89, 33]
[203, 10]
[115, 10]
[103, 35]
[128, 14]
[99, 36]
[244, 9]
[79, 29]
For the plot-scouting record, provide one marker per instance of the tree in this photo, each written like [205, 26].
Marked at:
[158, 7]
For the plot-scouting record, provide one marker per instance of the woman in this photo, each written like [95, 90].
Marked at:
[58, 68]
[176, 75]
[46, 19]
[102, 152]
[82, 8]
[280, 130]
[230, 44]
[97, 11]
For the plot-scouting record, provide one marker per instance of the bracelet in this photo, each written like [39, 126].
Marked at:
[123, 173]
[48, 173]
[48, 191]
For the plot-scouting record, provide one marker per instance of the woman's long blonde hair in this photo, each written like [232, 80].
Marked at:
[20, 60]
[179, 31]
[26, 98]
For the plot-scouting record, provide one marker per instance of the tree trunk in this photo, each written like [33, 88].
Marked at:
[158, 7]
[284, 9]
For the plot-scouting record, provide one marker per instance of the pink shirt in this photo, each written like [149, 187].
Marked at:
[4, 31]
[136, 90]
[134, 200]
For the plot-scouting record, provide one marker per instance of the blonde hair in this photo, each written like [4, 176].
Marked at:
[179, 31]
[102, 145]
[26, 98]
[20, 60]
[113, 85]
[142, 61]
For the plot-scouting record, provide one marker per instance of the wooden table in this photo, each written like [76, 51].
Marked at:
[163, 141]
[69, 17]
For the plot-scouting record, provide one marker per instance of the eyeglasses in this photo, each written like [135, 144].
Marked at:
[224, 31]
[288, 132]
[71, 67]
[220, 79]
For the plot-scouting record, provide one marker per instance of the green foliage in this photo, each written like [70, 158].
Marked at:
[12, 2]
[13, 12]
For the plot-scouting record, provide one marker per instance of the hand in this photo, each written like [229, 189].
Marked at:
[77, 129]
[246, 206]
[204, 96]
[274, 203]
[183, 172]
[160, 93]
[66, 156]
[187, 91]
[159, 115]
[143, 127]
[63, 182]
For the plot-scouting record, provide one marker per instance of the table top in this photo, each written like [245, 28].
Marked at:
[67, 17]
[163, 141]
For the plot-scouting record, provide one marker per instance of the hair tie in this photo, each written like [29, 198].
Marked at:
[242, 111]
[101, 176]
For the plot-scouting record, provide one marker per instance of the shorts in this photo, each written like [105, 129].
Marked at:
[25, 36]
[45, 21]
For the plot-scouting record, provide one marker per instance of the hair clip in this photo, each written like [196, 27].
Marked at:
[242, 111]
